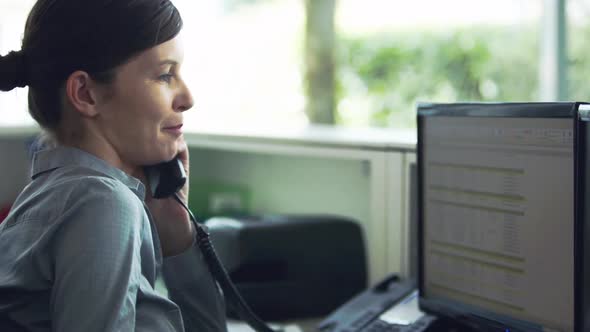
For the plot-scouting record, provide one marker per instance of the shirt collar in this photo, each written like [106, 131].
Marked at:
[50, 159]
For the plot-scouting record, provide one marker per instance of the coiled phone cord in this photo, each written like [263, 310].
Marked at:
[220, 274]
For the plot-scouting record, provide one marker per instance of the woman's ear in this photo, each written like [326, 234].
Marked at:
[81, 93]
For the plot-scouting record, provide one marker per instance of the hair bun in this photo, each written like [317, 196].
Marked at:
[13, 71]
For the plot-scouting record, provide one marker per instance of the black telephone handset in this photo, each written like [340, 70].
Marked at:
[165, 178]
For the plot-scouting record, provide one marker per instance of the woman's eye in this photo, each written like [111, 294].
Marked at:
[166, 77]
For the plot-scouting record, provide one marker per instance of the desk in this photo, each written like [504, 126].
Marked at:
[303, 325]
[405, 312]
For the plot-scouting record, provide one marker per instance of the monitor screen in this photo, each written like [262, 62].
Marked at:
[497, 216]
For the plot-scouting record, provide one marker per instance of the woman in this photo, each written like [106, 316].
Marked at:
[84, 241]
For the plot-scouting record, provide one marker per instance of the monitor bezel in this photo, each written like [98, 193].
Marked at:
[512, 110]
[581, 218]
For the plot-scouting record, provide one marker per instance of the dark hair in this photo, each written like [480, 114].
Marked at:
[62, 36]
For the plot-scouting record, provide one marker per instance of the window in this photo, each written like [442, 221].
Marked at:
[393, 54]
[578, 61]
[13, 15]
[243, 62]
[244, 58]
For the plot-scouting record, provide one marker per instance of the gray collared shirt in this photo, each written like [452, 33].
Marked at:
[79, 252]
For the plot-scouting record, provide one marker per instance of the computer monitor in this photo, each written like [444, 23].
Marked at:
[497, 238]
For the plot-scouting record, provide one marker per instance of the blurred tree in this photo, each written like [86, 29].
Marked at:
[391, 72]
[319, 61]
[579, 64]
[377, 79]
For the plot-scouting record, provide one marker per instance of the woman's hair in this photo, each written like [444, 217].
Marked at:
[95, 36]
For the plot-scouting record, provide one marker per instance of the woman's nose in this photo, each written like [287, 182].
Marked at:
[184, 99]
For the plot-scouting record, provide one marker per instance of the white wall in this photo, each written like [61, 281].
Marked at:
[289, 184]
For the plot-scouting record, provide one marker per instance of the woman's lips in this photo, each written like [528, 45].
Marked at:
[174, 130]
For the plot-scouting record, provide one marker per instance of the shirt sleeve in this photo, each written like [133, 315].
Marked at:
[97, 260]
[192, 287]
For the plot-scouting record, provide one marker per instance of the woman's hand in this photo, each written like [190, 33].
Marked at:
[175, 228]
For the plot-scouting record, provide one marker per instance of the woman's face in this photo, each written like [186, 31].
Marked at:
[141, 119]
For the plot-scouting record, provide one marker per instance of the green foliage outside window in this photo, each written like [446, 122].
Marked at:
[578, 69]
[392, 72]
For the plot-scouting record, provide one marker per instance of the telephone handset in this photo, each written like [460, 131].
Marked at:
[166, 178]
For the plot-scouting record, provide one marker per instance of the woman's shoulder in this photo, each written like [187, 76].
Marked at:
[98, 206]
[76, 183]
[85, 201]
[95, 188]
[86, 181]
[68, 191]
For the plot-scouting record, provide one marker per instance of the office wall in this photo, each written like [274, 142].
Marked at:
[282, 183]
